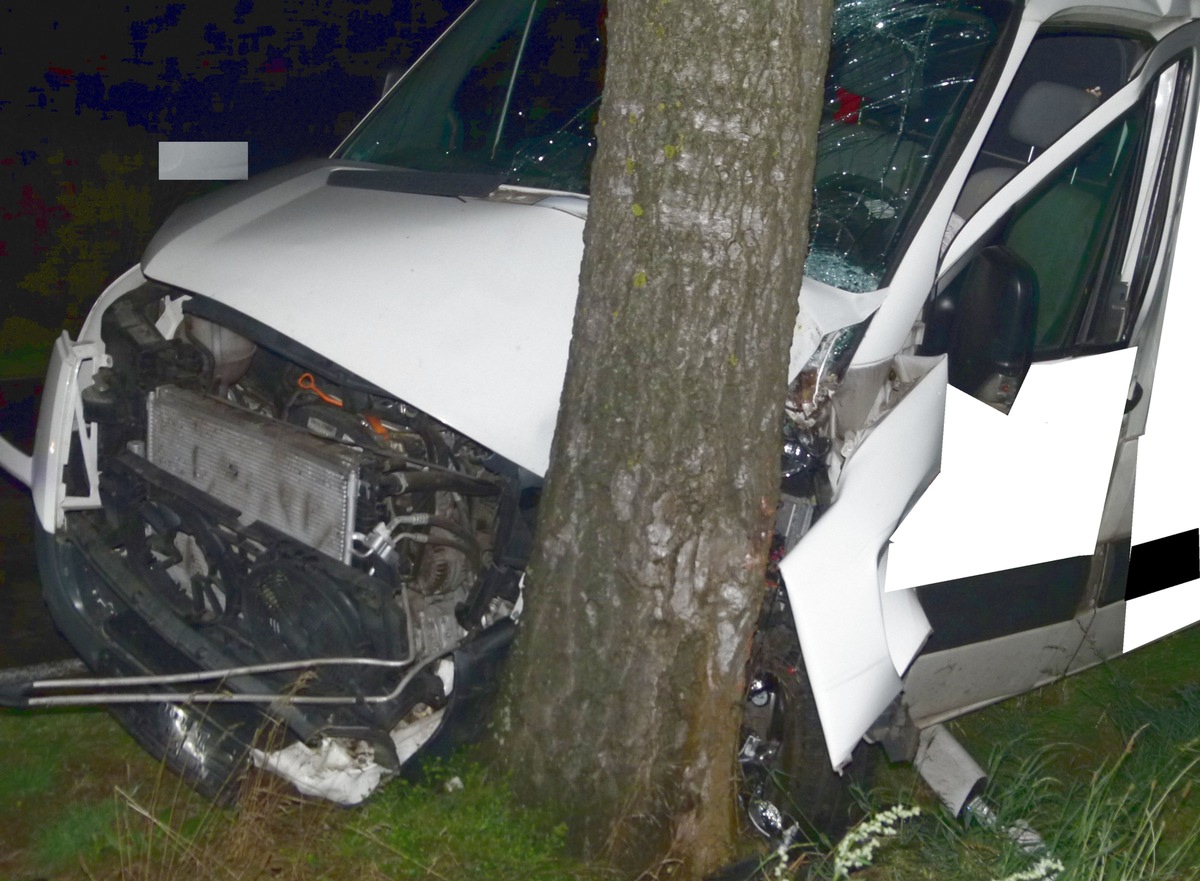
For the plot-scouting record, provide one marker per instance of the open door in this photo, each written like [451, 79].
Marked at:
[1020, 550]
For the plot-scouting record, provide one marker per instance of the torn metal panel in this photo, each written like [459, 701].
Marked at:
[330, 770]
[345, 771]
[833, 574]
[71, 368]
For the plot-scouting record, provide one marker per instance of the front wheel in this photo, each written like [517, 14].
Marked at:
[789, 790]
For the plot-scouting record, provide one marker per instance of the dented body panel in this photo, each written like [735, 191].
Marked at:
[396, 261]
[835, 575]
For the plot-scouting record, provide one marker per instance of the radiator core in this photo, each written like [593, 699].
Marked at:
[270, 471]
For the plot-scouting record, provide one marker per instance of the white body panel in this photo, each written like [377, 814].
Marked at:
[948, 683]
[1166, 496]
[462, 307]
[70, 372]
[834, 578]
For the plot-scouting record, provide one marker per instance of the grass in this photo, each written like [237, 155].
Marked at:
[459, 823]
[80, 800]
[83, 832]
[56, 786]
[1102, 765]
[1118, 823]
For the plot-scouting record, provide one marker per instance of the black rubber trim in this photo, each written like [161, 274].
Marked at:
[468, 711]
[421, 183]
[1162, 563]
[968, 610]
[206, 745]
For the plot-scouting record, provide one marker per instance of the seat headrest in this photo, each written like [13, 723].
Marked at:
[1047, 111]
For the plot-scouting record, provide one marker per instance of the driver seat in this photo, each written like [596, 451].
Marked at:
[1046, 112]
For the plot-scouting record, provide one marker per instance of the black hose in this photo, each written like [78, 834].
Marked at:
[431, 481]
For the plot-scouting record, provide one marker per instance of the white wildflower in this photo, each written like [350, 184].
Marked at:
[1045, 869]
[857, 849]
[781, 853]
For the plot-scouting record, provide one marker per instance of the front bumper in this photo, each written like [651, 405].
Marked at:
[120, 627]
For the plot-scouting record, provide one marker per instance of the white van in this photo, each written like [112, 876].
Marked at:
[306, 432]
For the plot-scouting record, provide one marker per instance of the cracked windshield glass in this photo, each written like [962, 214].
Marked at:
[512, 90]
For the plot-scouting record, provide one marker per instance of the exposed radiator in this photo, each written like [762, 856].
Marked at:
[270, 471]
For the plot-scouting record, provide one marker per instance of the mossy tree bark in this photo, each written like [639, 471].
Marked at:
[624, 694]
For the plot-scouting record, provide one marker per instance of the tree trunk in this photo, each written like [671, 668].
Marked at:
[624, 694]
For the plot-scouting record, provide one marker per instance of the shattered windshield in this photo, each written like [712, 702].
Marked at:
[513, 89]
[899, 76]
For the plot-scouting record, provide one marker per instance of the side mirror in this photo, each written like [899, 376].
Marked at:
[987, 329]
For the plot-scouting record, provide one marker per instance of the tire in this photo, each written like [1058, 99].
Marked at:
[789, 788]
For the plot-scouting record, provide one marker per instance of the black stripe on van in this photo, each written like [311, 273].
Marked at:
[996, 604]
[1162, 563]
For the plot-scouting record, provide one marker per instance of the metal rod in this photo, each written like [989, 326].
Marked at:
[205, 675]
[236, 698]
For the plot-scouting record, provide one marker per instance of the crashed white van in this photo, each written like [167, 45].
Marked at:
[290, 468]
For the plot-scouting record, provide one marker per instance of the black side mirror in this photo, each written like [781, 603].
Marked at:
[987, 329]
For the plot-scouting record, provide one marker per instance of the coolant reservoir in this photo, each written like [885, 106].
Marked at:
[231, 351]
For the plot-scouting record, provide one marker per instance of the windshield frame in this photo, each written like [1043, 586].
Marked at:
[990, 74]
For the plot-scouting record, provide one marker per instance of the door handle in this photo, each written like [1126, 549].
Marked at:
[1135, 396]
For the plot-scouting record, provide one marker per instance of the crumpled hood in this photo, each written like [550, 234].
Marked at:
[461, 307]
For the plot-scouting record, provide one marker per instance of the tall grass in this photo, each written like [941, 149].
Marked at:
[1103, 769]
[458, 824]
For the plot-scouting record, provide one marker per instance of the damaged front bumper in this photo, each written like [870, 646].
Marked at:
[121, 630]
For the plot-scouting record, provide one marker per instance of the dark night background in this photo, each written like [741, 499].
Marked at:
[86, 95]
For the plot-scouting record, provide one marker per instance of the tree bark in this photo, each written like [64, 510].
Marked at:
[623, 698]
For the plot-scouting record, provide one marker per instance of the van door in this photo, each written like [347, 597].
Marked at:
[1020, 548]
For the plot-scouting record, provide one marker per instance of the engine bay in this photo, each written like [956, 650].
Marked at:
[261, 507]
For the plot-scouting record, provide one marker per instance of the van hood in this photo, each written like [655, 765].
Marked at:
[460, 306]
